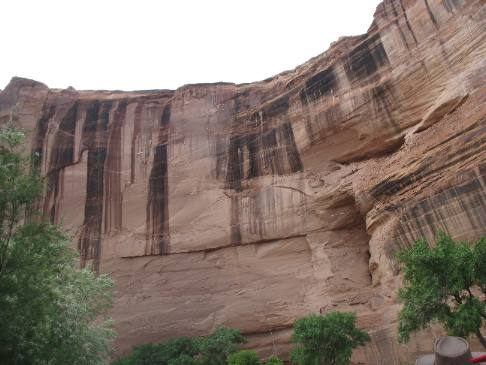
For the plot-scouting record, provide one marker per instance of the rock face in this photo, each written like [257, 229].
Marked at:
[251, 205]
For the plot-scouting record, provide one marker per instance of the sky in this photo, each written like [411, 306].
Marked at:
[164, 44]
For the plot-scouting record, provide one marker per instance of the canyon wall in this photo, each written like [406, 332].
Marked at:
[251, 205]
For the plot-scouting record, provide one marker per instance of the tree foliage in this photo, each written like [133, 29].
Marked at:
[445, 284]
[210, 350]
[326, 340]
[244, 357]
[273, 360]
[49, 310]
[172, 352]
[215, 348]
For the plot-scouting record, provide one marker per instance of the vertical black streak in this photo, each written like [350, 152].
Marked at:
[94, 138]
[158, 193]
[431, 15]
[136, 132]
[293, 155]
[407, 22]
[113, 192]
[40, 135]
[62, 155]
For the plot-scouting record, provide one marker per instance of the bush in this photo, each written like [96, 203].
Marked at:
[244, 357]
[326, 340]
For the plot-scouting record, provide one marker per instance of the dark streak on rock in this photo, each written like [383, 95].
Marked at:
[220, 156]
[113, 193]
[407, 22]
[40, 135]
[158, 237]
[431, 14]
[62, 155]
[234, 171]
[253, 144]
[383, 97]
[395, 17]
[235, 234]
[293, 155]
[265, 150]
[276, 108]
[448, 5]
[271, 156]
[365, 59]
[90, 241]
[137, 125]
[319, 85]
[94, 137]
[457, 209]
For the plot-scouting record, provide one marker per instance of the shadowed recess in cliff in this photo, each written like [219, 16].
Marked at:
[113, 194]
[62, 155]
[94, 138]
[365, 59]
[158, 239]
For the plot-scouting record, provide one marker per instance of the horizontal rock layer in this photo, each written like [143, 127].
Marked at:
[251, 205]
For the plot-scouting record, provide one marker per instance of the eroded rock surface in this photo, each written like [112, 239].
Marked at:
[251, 205]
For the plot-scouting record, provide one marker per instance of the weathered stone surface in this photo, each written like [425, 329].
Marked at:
[251, 205]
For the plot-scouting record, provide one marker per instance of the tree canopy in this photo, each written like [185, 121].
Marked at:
[244, 357]
[51, 313]
[326, 340]
[446, 284]
[209, 350]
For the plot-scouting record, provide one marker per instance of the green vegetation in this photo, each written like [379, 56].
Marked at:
[215, 348]
[326, 340]
[219, 348]
[273, 360]
[48, 307]
[175, 351]
[444, 284]
[210, 350]
[244, 357]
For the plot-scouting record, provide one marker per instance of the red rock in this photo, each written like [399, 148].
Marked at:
[251, 205]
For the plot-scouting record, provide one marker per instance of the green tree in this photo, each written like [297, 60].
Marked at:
[273, 360]
[326, 340]
[244, 357]
[215, 348]
[444, 284]
[51, 313]
[210, 350]
[174, 351]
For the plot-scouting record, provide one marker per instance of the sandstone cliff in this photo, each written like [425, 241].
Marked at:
[250, 205]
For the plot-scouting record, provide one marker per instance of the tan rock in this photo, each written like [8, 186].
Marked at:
[251, 205]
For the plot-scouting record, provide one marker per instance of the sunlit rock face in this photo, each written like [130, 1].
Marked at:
[251, 205]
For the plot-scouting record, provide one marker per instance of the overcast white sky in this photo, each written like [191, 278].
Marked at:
[150, 44]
